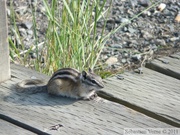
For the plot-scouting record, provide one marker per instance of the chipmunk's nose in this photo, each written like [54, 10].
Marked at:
[101, 85]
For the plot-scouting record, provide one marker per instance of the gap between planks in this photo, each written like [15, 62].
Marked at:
[22, 125]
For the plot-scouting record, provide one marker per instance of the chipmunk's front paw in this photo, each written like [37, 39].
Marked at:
[92, 97]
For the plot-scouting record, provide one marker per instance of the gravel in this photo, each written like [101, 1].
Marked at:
[153, 34]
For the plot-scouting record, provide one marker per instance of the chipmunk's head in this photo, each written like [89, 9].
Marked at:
[91, 80]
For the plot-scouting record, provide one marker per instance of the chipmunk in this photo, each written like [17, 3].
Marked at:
[67, 82]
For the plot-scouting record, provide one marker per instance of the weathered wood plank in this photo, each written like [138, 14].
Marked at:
[76, 117]
[153, 91]
[167, 65]
[176, 56]
[4, 49]
[25, 73]
[7, 128]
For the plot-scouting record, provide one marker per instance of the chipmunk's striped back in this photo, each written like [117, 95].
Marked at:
[66, 73]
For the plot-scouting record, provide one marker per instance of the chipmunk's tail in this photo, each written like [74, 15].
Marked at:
[31, 86]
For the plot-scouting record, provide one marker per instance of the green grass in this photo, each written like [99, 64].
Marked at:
[71, 37]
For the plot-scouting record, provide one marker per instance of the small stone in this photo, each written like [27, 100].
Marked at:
[116, 46]
[147, 35]
[171, 27]
[160, 42]
[104, 57]
[174, 39]
[33, 55]
[144, 3]
[42, 9]
[28, 24]
[116, 66]
[27, 39]
[177, 19]
[131, 30]
[23, 31]
[125, 29]
[136, 57]
[125, 55]
[139, 70]
[116, 38]
[165, 61]
[123, 61]
[161, 7]
[111, 21]
[22, 10]
[124, 20]
[133, 3]
[99, 25]
[109, 26]
[111, 60]
[154, 47]
[120, 77]
[148, 13]
[167, 13]
[30, 32]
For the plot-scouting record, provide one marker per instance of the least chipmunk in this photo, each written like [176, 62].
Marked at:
[67, 82]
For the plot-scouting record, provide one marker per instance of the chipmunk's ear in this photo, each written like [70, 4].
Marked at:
[90, 70]
[84, 74]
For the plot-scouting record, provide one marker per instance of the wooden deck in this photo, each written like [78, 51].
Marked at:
[148, 100]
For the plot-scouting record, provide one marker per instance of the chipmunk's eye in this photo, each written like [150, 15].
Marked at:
[93, 81]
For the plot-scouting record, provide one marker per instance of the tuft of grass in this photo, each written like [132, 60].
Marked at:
[72, 37]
